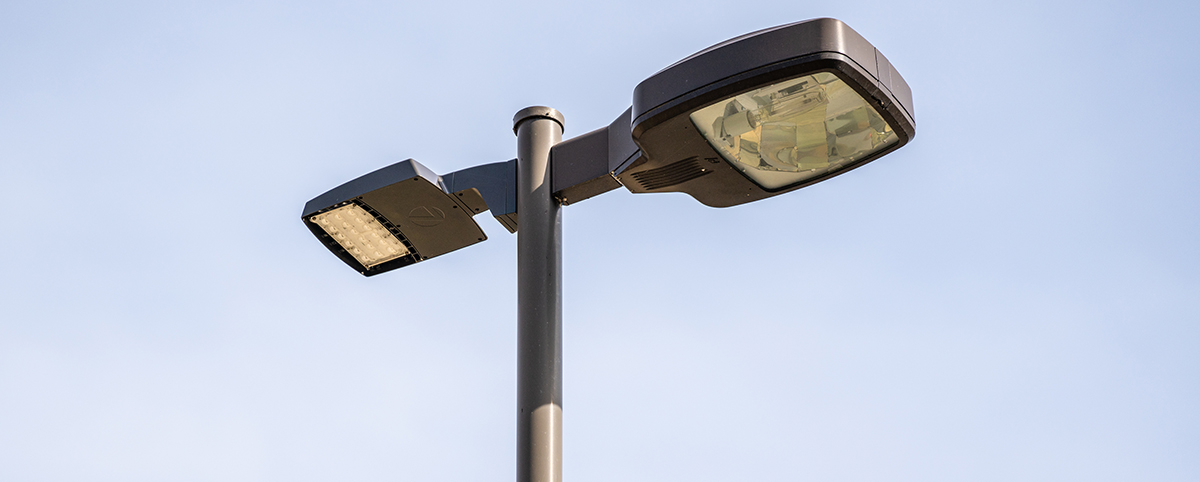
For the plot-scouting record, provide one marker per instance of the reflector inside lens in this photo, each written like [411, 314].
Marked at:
[361, 235]
[785, 133]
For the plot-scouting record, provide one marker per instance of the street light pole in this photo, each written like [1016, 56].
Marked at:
[539, 299]
[754, 117]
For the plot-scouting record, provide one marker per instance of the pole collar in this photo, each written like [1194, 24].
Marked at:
[538, 112]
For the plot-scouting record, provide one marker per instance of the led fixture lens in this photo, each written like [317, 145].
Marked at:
[785, 133]
[361, 235]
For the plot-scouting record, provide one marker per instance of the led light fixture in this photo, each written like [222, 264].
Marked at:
[404, 213]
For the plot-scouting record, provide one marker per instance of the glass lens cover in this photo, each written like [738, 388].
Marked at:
[795, 130]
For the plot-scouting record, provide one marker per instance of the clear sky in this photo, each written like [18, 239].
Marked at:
[1015, 295]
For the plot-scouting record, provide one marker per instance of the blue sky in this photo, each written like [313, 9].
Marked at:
[1013, 296]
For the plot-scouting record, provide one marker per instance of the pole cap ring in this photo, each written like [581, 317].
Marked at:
[538, 112]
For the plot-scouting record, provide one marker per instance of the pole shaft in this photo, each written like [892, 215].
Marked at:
[539, 299]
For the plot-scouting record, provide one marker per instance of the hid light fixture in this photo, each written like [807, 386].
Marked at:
[767, 113]
[747, 119]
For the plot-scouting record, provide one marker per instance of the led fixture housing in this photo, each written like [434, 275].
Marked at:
[404, 213]
[766, 113]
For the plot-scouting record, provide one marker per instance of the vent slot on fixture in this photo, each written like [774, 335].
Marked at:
[671, 174]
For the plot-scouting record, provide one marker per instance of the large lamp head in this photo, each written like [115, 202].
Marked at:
[767, 113]
[402, 214]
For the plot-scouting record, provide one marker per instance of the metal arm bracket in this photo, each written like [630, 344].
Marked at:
[583, 166]
[491, 187]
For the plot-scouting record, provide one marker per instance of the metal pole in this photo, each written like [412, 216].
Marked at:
[539, 299]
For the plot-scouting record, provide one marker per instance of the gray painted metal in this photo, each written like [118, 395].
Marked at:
[377, 179]
[580, 167]
[538, 111]
[583, 165]
[765, 48]
[539, 299]
[496, 183]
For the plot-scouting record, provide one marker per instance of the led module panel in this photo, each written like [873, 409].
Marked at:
[361, 235]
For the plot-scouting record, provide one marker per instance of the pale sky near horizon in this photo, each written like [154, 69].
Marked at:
[1013, 296]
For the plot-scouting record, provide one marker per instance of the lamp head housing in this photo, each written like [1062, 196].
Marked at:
[394, 217]
[767, 113]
